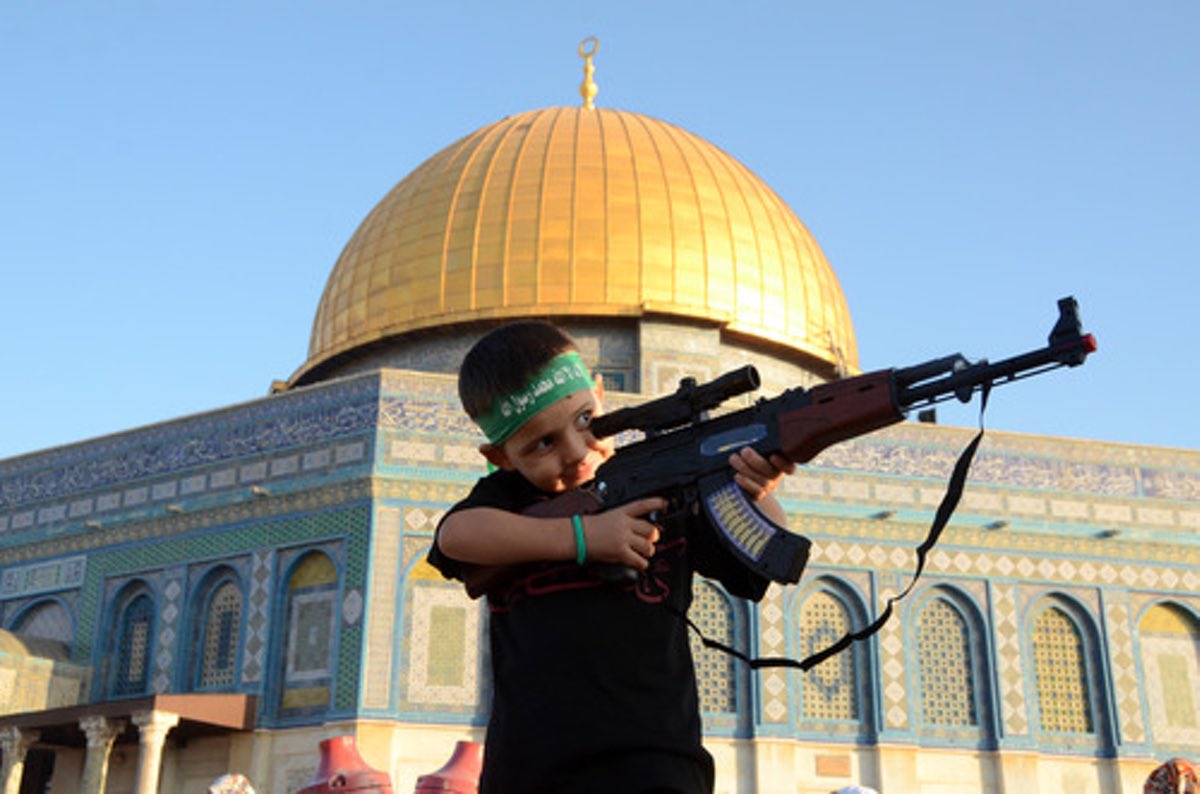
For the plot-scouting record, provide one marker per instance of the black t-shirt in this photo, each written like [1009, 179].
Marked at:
[594, 688]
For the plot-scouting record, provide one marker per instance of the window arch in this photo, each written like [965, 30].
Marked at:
[216, 635]
[833, 695]
[132, 642]
[1061, 675]
[954, 676]
[1169, 640]
[310, 620]
[716, 678]
[46, 620]
[949, 697]
[444, 641]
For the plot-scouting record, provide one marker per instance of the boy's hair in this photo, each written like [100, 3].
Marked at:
[505, 360]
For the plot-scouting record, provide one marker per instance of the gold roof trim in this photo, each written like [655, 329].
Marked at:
[567, 211]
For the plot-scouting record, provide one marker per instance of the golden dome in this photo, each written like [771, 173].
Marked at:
[582, 212]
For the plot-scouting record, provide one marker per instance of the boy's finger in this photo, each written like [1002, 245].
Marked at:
[647, 505]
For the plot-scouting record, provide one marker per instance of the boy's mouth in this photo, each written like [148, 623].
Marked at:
[579, 475]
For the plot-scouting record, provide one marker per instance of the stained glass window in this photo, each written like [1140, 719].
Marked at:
[713, 614]
[1062, 680]
[830, 689]
[944, 654]
[133, 648]
[219, 660]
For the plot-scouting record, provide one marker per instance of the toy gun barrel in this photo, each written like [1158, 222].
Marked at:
[685, 405]
[954, 376]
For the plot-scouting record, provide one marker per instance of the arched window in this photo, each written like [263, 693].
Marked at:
[948, 693]
[830, 690]
[1063, 689]
[712, 613]
[1169, 639]
[310, 634]
[133, 644]
[47, 620]
[441, 641]
[219, 636]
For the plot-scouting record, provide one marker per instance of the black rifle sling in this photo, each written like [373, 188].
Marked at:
[954, 489]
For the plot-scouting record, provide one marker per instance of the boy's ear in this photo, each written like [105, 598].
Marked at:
[598, 379]
[495, 456]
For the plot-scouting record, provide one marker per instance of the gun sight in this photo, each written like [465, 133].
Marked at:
[688, 404]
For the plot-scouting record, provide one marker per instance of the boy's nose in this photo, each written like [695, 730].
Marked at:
[575, 449]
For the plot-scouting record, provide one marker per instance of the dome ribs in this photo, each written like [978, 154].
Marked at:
[489, 238]
[523, 263]
[589, 252]
[575, 212]
[623, 221]
[687, 230]
[657, 220]
[456, 288]
[553, 282]
[516, 219]
[702, 294]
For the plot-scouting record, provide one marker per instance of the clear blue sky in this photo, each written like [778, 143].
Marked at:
[177, 179]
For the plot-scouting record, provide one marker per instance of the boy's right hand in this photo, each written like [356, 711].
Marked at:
[623, 535]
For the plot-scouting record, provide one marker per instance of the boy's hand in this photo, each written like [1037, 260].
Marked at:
[622, 535]
[757, 475]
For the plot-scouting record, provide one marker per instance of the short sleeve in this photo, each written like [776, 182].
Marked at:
[503, 490]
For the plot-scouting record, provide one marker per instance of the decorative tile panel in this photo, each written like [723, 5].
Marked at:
[42, 577]
[893, 678]
[254, 650]
[444, 649]
[1013, 711]
[382, 619]
[274, 426]
[771, 642]
[1126, 689]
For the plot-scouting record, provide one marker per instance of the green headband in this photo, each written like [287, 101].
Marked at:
[565, 374]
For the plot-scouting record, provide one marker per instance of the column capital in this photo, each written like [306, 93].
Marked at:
[100, 731]
[153, 720]
[16, 741]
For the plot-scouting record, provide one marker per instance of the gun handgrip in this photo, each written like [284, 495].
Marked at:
[613, 573]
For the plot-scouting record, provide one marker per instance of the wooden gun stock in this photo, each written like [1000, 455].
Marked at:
[838, 411]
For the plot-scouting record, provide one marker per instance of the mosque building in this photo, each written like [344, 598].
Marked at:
[221, 592]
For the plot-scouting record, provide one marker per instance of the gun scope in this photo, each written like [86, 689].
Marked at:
[685, 405]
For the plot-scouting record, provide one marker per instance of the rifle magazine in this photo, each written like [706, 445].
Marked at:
[759, 543]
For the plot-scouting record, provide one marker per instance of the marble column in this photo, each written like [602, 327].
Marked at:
[153, 727]
[100, 733]
[14, 743]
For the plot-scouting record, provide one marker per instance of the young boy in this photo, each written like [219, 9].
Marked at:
[594, 689]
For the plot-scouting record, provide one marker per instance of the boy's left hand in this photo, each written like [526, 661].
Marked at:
[757, 475]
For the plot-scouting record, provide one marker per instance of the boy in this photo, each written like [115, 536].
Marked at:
[594, 689]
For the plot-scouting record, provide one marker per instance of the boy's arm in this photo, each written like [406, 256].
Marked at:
[486, 536]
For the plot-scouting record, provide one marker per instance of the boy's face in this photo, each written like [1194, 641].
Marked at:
[555, 450]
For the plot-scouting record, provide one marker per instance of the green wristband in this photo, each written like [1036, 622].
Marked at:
[580, 542]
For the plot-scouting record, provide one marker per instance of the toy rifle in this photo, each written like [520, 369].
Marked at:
[684, 454]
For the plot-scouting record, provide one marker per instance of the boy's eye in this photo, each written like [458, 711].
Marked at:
[583, 420]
